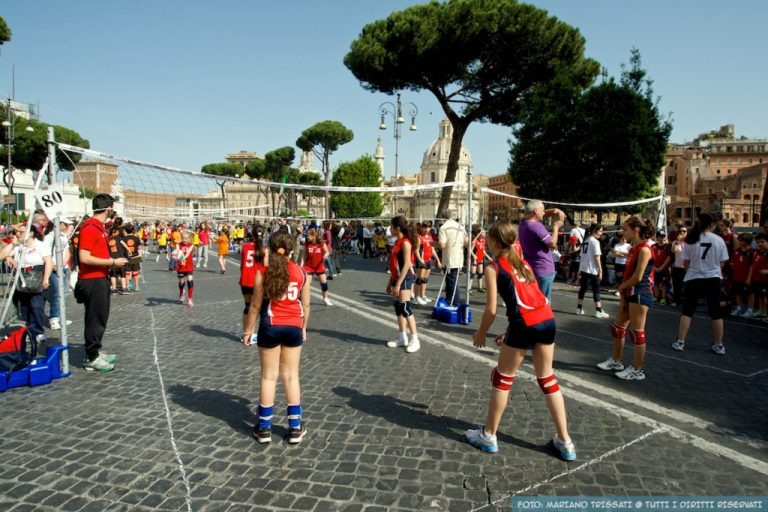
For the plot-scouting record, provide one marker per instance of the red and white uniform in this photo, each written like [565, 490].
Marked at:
[287, 310]
[313, 257]
[248, 265]
[426, 247]
[479, 251]
[186, 264]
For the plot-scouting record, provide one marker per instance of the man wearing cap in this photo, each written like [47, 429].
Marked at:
[92, 289]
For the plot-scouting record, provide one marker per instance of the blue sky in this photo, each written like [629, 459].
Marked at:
[183, 82]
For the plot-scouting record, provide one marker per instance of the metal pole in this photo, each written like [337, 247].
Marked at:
[398, 115]
[469, 230]
[58, 255]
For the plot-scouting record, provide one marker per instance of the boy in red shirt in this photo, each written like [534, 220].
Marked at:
[185, 268]
[741, 263]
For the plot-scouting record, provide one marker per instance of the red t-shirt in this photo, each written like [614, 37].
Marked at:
[187, 264]
[660, 254]
[93, 238]
[426, 247]
[313, 257]
[740, 263]
[759, 262]
[287, 310]
[480, 250]
[248, 265]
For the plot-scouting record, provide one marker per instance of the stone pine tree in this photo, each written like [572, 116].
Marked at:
[482, 60]
[606, 144]
[363, 172]
[322, 139]
[5, 31]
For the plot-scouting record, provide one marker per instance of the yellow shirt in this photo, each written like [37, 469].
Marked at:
[163, 238]
[195, 239]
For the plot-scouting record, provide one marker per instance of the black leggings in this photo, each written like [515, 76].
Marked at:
[587, 279]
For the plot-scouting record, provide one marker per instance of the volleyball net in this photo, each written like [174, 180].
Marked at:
[149, 191]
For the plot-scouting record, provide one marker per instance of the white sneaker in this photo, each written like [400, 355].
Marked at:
[422, 301]
[413, 344]
[327, 302]
[426, 299]
[400, 341]
[611, 365]
[55, 323]
[630, 373]
[678, 345]
[579, 311]
[601, 314]
[718, 349]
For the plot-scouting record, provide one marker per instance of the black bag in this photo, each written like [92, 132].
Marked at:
[13, 349]
[31, 280]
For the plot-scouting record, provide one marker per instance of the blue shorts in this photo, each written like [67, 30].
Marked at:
[271, 336]
[526, 337]
[427, 265]
[644, 299]
[407, 283]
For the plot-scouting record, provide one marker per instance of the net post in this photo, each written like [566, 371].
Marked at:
[469, 231]
[58, 256]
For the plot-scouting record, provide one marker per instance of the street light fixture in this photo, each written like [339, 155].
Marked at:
[8, 124]
[396, 111]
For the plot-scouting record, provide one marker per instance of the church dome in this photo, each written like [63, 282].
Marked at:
[435, 161]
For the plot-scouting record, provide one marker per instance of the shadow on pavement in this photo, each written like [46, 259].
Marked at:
[214, 333]
[413, 415]
[232, 409]
[346, 336]
[157, 301]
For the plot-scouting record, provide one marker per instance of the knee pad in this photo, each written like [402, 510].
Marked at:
[637, 336]
[549, 384]
[417, 282]
[472, 275]
[190, 283]
[617, 331]
[324, 286]
[406, 309]
[500, 381]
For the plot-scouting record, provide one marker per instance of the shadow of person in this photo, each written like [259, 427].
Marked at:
[413, 415]
[346, 336]
[232, 409]
[379, 299]
[157, 301]
[214, 333]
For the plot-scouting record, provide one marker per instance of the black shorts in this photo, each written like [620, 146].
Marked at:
[759, 288]
[526, 337]
[427, 265]
[117, 272]
[407, 283]
[182, 275]
[134, 267]
[271, 336]
[703, 288]
[619, 267]
[246, 290]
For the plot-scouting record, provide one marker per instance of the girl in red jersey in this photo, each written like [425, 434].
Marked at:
[401, 281]
[313, 260]
[478, 257]
[635, 302]
[281, 301]
[531, 327]
[253, 259]
[424, 257]
[185, 267]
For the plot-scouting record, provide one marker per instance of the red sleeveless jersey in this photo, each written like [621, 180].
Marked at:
[249, 266]
[397, 260]
[187, 264]
[287, 310]
[313, 257]
[426, 247]
[646, 280]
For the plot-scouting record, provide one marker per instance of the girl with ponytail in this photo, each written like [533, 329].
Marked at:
[281, 301]
[531, 327]
[401, 282]
[591, 270]
[636, 299]
[704, 256]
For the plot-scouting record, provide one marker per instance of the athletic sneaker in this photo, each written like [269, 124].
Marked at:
[480, 439]
[718, 349]
[426, 299]
[295, 435]
[579, 311]
[327, 302]
[629, 373]
[678, 345]
[422, 300]
[100, 364]
[190, 303]
[111, 358]
[567, 451]
[601, 314]
[399, 341]
[748, 314]
[413, 344]
[123, 291]
[181, 299]
[611, 365]
[262, 435]
[136, 288]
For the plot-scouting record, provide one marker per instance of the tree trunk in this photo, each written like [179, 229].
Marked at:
[459, 129]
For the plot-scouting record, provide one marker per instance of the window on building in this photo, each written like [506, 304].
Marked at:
[759, 160]
[729, 171]
[740, 149]
[671, 180]
[727, 215]
[745, 218]
[678, 212]
[754, 185]
[750, 160]
[710, 191]
[432, 176]
[747, 197]
[755, 218]
[729, 149]
[718, 171]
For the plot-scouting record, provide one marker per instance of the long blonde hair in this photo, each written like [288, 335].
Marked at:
[504, 234]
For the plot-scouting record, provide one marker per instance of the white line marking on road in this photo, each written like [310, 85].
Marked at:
[757, 373]
[614, 395]
[577, 468]
[659, 354]
[183, 471]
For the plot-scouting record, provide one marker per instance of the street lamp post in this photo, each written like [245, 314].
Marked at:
[9, 123]
[396, 111]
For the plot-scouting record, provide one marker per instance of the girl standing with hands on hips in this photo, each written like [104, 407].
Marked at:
[531, 327]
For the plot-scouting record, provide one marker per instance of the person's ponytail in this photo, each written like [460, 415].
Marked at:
[694, 234]
[277, 277]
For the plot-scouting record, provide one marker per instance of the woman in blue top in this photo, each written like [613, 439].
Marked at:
[531, 327]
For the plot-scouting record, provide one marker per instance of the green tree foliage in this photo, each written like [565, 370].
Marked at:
[603, 145]
[363, 172]
[5, 32]
[322, 139]
[482, 59]
[223, 169]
